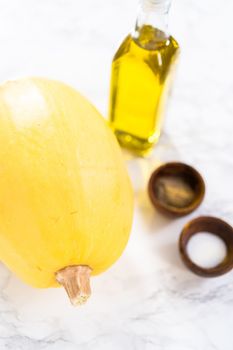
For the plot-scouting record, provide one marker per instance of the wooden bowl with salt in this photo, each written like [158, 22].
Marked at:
[214, 226]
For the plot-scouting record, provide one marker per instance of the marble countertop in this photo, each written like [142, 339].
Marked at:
[148, 299]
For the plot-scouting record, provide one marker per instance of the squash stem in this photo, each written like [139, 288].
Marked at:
[76, 281]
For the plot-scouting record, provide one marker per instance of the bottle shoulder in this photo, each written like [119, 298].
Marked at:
[133, 46]
[124, 48]
[153, 39]
[174, 43]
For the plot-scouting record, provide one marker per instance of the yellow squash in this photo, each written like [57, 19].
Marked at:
[65, 197]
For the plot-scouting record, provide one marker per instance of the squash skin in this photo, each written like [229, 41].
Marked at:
[65, 196]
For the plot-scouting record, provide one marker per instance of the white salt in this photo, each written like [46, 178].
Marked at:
[206, 250]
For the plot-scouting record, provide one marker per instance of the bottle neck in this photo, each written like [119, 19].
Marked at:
[153, 14]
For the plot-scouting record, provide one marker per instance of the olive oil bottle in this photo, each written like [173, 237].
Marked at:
[141, 76]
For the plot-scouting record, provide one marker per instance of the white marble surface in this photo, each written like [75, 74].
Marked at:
[147, 300]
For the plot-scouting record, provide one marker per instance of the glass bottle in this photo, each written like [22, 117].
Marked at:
[141, 76]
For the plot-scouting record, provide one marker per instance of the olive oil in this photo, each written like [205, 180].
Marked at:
[141, 76]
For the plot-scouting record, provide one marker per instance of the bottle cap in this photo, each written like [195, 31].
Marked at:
[150, 5]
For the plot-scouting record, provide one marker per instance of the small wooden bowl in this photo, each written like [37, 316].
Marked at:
[176, 189]
[217, 227]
